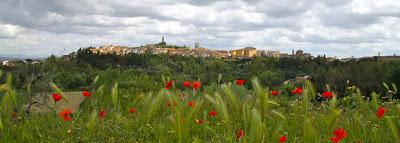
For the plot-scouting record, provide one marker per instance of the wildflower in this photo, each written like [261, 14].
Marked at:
[131, 110]
[195, 85]
[186, 84]
[380, 112]
[14, 114]
[240, 82]
[282, 139]
[168, 84]
[190, 104]
[298, 90]
[239, 134]
[86, 93]
[327, 94]
[56, 97]
[335, 139]
[199, 121]
[212, 113]
[65, 114]
[274, 92]
[339, 134]
[102, 113]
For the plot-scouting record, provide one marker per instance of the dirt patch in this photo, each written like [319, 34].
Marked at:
[45, 103]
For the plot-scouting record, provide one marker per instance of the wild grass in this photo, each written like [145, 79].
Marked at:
[164, 116]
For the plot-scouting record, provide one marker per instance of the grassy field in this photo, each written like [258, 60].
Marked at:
[215, 113]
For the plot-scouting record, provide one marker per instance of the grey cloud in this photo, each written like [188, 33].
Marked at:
[335, 3]
[216, 24]
[284, 8]
[340, 17]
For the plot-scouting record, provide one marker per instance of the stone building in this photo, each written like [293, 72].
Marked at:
[247, 52]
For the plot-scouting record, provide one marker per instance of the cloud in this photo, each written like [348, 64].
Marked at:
[331, 27]
[10, 31]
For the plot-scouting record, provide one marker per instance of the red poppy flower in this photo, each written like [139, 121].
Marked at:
[340, 133]
[298, 90]
[168, 84]
[56, 97]
[212, 113]
[199, 121]
[186, 84]
[240, 82]
[64, 114]
[102, 113]
[274, 92]
[282, 139]
[327, 94]
[239, 134]
[380, 112]
[190, 104]
[335, 139]
[195, 85]
[86, 93]
[131, 110]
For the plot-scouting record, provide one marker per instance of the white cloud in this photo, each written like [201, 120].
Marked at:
[10, 31]
[377, 7]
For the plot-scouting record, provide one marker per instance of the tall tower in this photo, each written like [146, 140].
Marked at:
[197, 45]
[162, 43]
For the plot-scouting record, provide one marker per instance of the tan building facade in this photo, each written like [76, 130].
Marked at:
[247, 52]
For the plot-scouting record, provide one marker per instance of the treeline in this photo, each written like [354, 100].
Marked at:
[145, 72]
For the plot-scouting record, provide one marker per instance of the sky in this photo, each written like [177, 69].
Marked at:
[341, 28]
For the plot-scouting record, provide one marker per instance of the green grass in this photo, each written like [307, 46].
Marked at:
[263, 118]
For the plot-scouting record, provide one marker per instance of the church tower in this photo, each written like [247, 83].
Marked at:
[162, 43]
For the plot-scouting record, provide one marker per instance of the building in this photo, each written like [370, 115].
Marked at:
[110, 49]
[137, 50]
[248, 52]
[299, 53]
[5, 63]
[11, 63]
[163, 48]
[93, 50]
[220, 54]
[284, 55]
[179, 51]
[271, 54]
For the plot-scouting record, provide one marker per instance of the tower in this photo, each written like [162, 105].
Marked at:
[162, 43]
[197, 45]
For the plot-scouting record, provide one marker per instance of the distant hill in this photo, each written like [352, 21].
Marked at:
[10, 57]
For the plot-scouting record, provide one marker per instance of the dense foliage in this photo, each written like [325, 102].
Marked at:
[216, 113]
[145, 72]
[164, 98]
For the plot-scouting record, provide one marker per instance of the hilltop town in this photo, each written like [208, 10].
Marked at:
[198, 51]
[162, 47]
